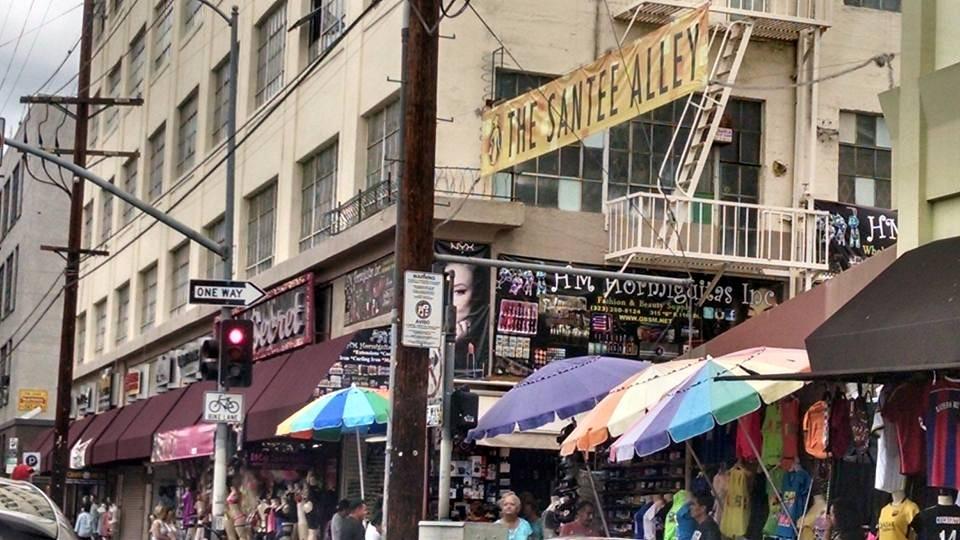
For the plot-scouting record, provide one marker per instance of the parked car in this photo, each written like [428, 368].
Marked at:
[26, 513]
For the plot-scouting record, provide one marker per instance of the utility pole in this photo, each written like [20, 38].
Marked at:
[413, 250]
[61, 426]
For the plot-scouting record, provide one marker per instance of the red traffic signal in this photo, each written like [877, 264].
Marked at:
[236, 350]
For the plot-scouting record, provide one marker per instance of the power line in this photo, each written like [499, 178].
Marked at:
[16, 47]
[39, 27]
[880, 60]
[33, 44]
[66, 59]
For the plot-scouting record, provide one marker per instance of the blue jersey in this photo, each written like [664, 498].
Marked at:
[794, 490]
[686, 525]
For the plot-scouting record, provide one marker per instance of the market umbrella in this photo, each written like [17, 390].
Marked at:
[701, 401]
[625, 404]
[355, 410]
[561, 389]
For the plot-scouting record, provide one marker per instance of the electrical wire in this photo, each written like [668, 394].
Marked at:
[66, 59]
[16, 47]
[38, 28]
[26, 60]
[880, 60]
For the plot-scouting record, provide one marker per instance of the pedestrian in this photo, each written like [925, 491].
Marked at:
[374, 529]
[333, 528]
[84, 524]
[532, 516]
[22, 473]
[159, 528]
[517, 527]
[700, 507]
[95, 517]
[351, 527]
[104, 527]
[582, 525]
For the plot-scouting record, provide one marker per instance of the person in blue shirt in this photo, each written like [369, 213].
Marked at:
[686, 524]
[517, 527]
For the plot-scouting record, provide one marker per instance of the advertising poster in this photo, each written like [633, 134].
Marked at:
[471, 295]
[547, 316]
[365, 361]
[857, 232]
[368, 291]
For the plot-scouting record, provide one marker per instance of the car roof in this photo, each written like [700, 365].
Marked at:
[23, 503]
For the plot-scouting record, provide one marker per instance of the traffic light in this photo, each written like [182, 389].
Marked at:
[210, 359]
[464, 407]
[236, 348]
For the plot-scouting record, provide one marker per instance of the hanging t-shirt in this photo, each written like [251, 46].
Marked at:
[649, 529]
[839, 439]
[686, 525]
[773, 516]
[638, 517]
[887, 477]
[772, 437]
[895, 519]
[796, 485]
[662, 520]
[720, 482]
[670, 523]
[736, 504]
[937, 523]
[749, 426]
[860, 425]
[905, 408]
[942, 420]
[815, 430]
[790, 430]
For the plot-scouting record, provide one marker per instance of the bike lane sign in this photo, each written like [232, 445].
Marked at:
[220, 407]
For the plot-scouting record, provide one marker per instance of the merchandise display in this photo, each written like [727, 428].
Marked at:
[939, 522]
[896, 517]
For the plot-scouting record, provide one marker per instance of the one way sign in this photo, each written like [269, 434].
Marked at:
[224, 293]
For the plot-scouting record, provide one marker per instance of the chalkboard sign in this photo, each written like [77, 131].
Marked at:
[365, 361]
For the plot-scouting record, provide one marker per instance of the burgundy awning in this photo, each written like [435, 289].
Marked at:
[77, 427]
[293, 386]
[137, 441]
[92, 434]
[188, 409]
[105, 449]
[184, 443]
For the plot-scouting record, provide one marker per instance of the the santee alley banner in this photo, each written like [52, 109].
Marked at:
[660, 67]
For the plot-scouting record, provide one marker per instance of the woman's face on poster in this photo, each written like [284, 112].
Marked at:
[462, 295]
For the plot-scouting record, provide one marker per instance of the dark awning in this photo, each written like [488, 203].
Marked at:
[188, 409]
[105, 449]
[77, 427]
[137, 441]
[904, 320]
[293, 387]
[98, 425]
[789, 324]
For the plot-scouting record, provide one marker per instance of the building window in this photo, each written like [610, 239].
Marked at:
[162, 33]
[319, 181]
[865, 160]
[179, 278]
[216, 232]
[11, 201]
[123, 313]
[136, 71]
[93, 124]
[187, 134]
[511, 84]
[106, 215]
[570, 178]
[130, 186]
[81, 337]
[6, 359]
[100, 317]
[88, 225]
[10, 282]
[383, 144]
[99, 18]
[148, 297]
[192, 18]
[157, 145]
[886, 5]
[271, 39]
[326, 26]
[221, 100]
[260, 229]
[113, 91]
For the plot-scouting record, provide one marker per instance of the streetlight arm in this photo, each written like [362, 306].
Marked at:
[222, 15]
[152, 211]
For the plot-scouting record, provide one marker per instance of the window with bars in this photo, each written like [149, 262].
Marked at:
[326, 26]
[383, 144]
[215, 231]
[99, 18]
[221, 100]
[865, 160]
[187, 134]
[135, 70]
[88, 225]
[130, 186]
[100, 328]
[192, 16]
[569, 178]
[10, 282]
[271, 42]
[512, 83]
[113, 90]
[162, 33]
[317, 196]
[148, 297]
[157, 145]
[885, 5]
[123, 313]
[106, 215]
[93, 123]
[11, 201]
[81, 345]
[261, 217]
[179, 278]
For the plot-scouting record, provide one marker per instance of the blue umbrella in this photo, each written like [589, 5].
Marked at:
[561, 389]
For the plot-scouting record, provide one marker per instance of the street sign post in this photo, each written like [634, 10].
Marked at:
[221, 292]
[32, 460]
[220, 407]
[422, 310]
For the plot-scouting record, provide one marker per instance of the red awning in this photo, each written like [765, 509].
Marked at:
[105, 449]
[293, 386]
[44, 441]
[98, 425]
[77, 427]
[184, 443]
[137, 441]
[188, 409]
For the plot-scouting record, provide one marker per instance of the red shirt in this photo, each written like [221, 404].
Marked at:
[904, 408]
[942, 421]
[574, 528]
[750, 425]
[790, 427]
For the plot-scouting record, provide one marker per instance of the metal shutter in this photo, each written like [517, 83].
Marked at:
[132, 505]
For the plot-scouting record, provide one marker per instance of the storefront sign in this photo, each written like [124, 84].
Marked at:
[85, 400]
[365, 361]
[105, 390]
[188, 360]
[190, 442]
[163, 372]
[283, 320]
[544, 316]
[471, 296]
[663, 65]
[29, 399]
[368, 291]
[284, 455]
[133, 384]
[86, 478]
[857, 232]
[78, 454]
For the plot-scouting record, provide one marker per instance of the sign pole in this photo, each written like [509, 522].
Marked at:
[446, 429]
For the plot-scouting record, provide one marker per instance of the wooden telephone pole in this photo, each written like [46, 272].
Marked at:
[413, 250]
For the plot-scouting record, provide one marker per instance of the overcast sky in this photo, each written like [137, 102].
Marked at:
[35, 36]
